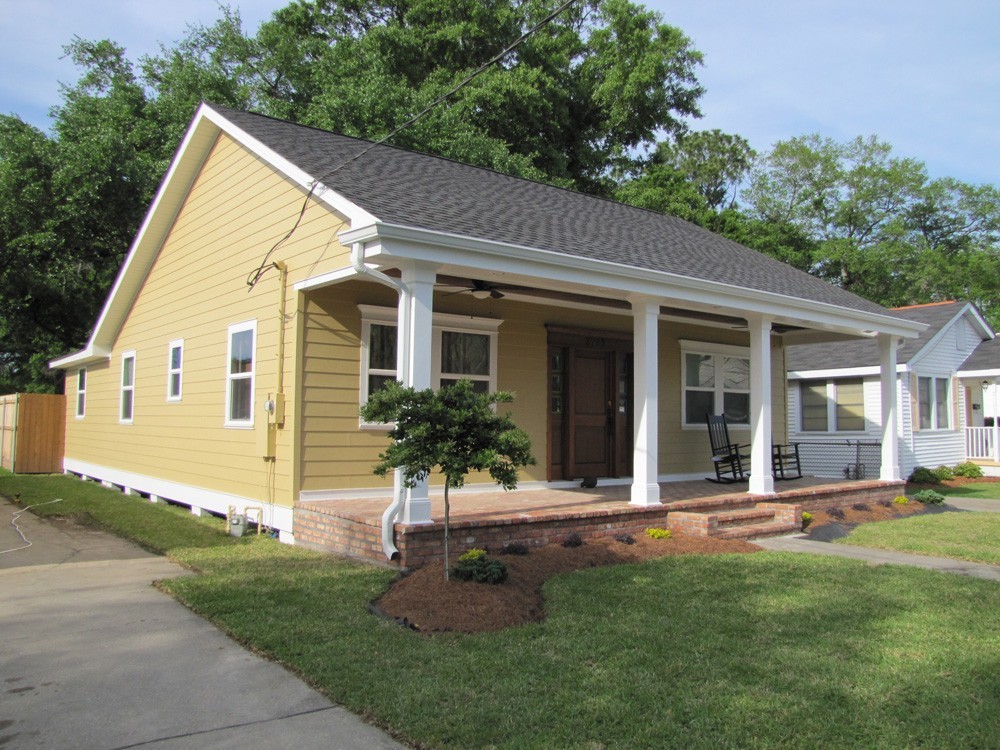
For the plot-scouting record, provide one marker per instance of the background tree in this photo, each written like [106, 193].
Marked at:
[454, 429]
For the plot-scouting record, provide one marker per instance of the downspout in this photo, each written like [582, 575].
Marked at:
[391, 513]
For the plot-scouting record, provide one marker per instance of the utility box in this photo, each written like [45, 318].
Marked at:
[237, 525]
[32, 433]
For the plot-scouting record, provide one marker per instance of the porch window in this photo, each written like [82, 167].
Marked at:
[175, 361]
[933, 403]
[832, 406]
[128, 388]
[240, 374]
[81, 392]
[716, 381]
[464, 348]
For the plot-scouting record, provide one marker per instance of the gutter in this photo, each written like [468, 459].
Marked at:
[392, 513]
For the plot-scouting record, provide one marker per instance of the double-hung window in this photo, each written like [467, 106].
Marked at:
[128, 388]
[463, 348]
[832, 406]
[81, 392]
[716, 380]
[934, 403]
[175, 363]
[240, 365]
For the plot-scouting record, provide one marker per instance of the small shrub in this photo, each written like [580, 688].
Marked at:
[929, 497]
[658, 533]
[901, 500]
[860, 506]
[885, 503]
[807, 518]
[476, 565]
[573, 540]
[837, 513]
[923, 475]
[625, 538]
[944, 472]
[514, 548]
[968, 470]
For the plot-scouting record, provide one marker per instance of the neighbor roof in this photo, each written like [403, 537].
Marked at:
[865, 352]
[427, 192]
[985, 358]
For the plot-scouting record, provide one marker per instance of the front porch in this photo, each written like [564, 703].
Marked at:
[536, 517]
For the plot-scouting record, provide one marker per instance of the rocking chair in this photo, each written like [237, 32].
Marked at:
[727, 457]
[785, 463]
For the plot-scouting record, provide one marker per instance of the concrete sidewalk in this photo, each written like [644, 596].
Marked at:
[95, 657]
[802, 543]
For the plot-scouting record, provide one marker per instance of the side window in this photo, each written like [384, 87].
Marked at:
[81, 392]
[128, 388]
[716, 383]
[813, 401]
[466, 356]
[175, 364]
[933, 403]
[240, 365]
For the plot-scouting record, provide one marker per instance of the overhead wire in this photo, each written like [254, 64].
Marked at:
[265, 264]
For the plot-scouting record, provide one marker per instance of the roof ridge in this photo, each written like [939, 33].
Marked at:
[928, 304]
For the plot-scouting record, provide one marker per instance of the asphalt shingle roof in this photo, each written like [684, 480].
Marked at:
[865, 352]
[986, 357]
[413, 189]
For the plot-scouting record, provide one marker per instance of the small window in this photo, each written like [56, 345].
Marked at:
[81, 392]
[465, 356]
[933, 403]
[175, 364]
[240, 374]
[834, 406]
[128, 387]
[813, 401]
[716, 383]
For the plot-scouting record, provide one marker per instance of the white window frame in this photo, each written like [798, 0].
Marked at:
[129, 388]
[178, 371]
[81, 393]
[373, 314]
[718, 352]
[936, 409]
[832, 403]
[241, 424]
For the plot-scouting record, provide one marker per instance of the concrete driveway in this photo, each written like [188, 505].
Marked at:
[94, 657]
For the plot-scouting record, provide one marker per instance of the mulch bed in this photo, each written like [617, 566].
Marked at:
[424, 601]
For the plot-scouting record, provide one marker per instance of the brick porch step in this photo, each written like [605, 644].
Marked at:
[764, 519]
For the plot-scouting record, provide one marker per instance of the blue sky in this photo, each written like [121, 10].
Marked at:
[924, 76]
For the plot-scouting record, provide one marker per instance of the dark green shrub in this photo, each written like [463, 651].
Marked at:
[968, 470]
[860, 506]
[885, 503]
[476, 565]
[944, 472]
[625, 538]
[923, 475]
[573, 540]
[929, 497]
[837, 513]
[514, 548]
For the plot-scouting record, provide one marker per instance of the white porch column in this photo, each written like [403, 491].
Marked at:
[761, 470]
[645, 464]
[890, 437]
[414, 342]
[996, 420]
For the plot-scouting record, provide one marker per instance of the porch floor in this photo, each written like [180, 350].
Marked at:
[539, 516]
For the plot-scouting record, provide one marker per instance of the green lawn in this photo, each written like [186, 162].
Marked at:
[963, 536]
[736, 651]
[986, 490]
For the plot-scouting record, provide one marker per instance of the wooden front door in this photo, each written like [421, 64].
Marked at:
[590, 401]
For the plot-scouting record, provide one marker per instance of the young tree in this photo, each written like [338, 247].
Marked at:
[454, 429]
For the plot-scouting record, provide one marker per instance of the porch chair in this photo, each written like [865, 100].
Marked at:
[785, 463]
[727, 457]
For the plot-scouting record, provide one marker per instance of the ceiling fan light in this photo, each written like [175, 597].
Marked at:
[481, 293]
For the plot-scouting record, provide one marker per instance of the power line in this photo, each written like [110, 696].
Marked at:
[255, 276]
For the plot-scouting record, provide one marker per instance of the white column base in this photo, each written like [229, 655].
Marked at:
[416, 506]
[196, 511]
[761, 485]
[645, 495]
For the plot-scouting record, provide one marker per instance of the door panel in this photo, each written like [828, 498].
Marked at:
[589, 404]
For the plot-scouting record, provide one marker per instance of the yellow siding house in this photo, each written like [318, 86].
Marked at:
[282, 273]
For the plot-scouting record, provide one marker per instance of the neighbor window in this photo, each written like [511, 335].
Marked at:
[175, 362]
[128, 387]
[240, 374]
[933, 403]
[81, 392]
[716, 381]
[834, 406]
[463, 348]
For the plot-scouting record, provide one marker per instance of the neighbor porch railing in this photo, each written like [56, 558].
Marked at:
[983, 443]
[850, 459]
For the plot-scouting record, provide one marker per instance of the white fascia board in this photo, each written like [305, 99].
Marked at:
[843, 372]
[392, 241]
[978, 374]
[81, 358]
[977, 321]
[325, 279]
[356, 215]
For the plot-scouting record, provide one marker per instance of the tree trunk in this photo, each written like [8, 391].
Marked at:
[447, 529]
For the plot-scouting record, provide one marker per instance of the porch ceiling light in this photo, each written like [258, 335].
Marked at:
[481, 293]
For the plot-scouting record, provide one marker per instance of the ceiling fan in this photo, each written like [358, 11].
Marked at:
[479, 290]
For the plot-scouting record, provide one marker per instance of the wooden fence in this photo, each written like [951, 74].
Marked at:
[32, 432]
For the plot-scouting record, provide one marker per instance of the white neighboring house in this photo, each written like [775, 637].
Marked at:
[947, 397]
